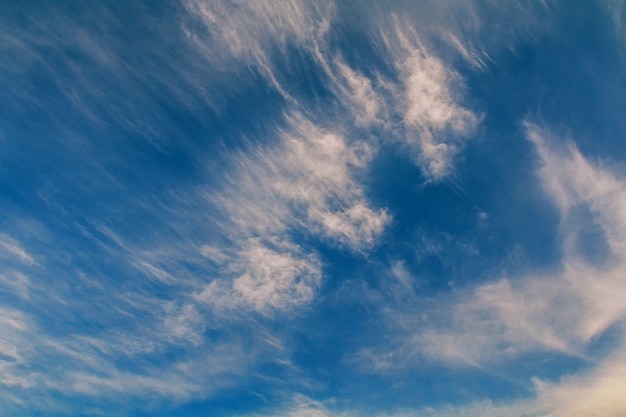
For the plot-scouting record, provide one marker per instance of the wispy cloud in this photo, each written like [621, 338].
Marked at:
[16, 283]
[266, 277]
[9, 248]
[476, 59]
[103, 296]
[572, 180]
[598, 391]
[304, 183]
[155, 289]
[425, 93]
[260, 32]
[59, 341]
[302, 406]
[358, 90]
[563, 311]
[308, 179]
[436, 122]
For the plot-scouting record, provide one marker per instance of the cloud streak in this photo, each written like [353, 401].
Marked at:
[133, 286]
[436, 123]
[266, 278]
[305, 183]
[310, 179]
[424, 92]
[258, 33]
[12, 250]
[562, 312]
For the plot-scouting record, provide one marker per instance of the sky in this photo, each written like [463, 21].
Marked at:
[313, 208]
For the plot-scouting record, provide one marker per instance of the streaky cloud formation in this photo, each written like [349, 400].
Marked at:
[13, 250]
[563, 312]
[312, 208]
[254, 33]
[309, 178]
[436, 123]
[426, 94]
[266, 279]
[360, 93]
[305, 183]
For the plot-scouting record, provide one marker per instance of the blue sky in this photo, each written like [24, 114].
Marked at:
[313, 208]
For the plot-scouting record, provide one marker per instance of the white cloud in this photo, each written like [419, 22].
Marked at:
[15, 349]
[598, 392]
[571, 180]
[184, 323]
[563, 311]
[16, 282]
[366, 102]
[436, 123]
[215, 255]
[275, 279]
[467, 52]
[431, 107]
[434, 114]
[307, 180]
[427, 96]
[11, 248]
[400, 272]
[41, 356]
[259, 34]
[266, 278]
[34, 361]
[154, 272]
[244, 29]
[302, 406]
[255, 33]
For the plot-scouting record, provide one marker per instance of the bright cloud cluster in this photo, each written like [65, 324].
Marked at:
[305, 183]
[433, 112]
[426, 92]
[266, 279]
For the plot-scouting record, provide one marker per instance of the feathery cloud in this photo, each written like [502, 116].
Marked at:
[561, 312]
[436, 124]
[307, 180]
